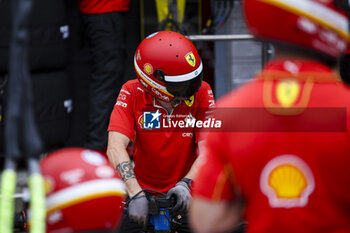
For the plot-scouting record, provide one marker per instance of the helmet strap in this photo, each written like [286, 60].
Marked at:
[159, 74]
[174, 102]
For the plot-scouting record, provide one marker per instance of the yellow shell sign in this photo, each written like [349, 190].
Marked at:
[191, 59]
[287, 181]
[148, 68]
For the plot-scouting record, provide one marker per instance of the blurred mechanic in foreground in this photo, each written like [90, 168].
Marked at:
[83, 192]
[168, 91]
[283, 162]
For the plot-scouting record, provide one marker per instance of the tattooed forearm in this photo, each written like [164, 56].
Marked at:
[125, 170]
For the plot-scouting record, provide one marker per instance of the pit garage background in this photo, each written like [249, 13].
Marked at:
[59, 60]
[59, 56]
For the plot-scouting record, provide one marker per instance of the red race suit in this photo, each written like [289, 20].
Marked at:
[102, 6]
[163, 153]
[285, 150]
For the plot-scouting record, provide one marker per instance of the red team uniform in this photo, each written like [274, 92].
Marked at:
[283, 152]
[103, 6]
[159, 112]
[174, 148]
[295, 179]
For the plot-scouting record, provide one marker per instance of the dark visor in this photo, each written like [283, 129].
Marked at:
[185, 89]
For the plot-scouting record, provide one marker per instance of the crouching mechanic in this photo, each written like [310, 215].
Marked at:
[168, 91]
[83, 192]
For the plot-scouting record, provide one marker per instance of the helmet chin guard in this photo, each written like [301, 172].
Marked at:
[167, 65]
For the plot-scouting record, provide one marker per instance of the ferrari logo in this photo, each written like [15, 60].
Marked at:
[287, 92]
[48, 185]
[189, 102]
[191, 59]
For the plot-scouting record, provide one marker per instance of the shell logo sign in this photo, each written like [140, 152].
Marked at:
[140, 121]
[287, 181]
[148, 68]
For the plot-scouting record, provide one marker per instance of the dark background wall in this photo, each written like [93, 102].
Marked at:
[60, 61]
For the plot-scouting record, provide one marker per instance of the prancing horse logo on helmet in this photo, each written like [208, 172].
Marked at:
[191, 59]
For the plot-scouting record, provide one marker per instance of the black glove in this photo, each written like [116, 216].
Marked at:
[138, 209]
[181, 192]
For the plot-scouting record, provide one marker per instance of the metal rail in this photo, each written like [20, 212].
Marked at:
[220, 37]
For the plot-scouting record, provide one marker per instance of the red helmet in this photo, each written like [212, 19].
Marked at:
[83, 191]
[320, 25]
[167, 65]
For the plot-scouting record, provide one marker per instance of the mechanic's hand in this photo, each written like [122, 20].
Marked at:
[181, 192]
[138, 209]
